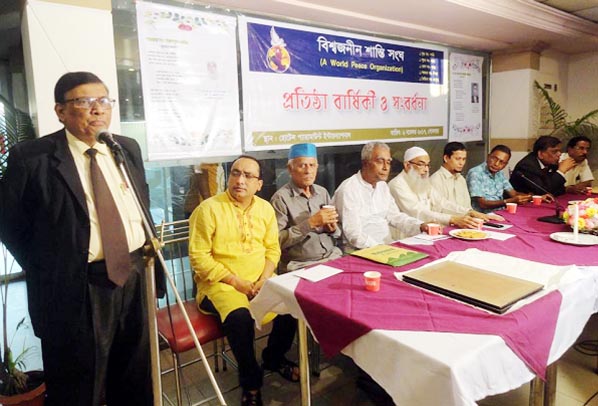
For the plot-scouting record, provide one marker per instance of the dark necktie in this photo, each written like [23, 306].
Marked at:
[112, 230]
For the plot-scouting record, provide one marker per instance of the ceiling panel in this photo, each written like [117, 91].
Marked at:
[484, 25]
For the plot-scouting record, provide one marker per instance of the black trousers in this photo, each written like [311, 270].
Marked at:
[107, 360]
[239, 328]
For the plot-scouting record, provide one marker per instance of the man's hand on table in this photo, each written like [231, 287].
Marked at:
[465, 221]
[519, 198]
[579, 189]
[486, 216]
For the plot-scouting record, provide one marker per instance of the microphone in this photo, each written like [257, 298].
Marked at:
[105, 137]
[556, 219]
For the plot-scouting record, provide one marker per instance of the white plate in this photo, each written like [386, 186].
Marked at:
[568, 238]
[455, 233]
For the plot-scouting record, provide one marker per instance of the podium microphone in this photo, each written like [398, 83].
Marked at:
[556, 219]
[105, 137]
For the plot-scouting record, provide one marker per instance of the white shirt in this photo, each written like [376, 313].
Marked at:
[451, 187]
[579, 173]
[121, 195]
[428, 207]
[366, 212]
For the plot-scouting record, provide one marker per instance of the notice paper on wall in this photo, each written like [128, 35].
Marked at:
[188, 62]
[466, 98]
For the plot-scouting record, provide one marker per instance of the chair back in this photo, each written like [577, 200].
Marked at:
[174, 239]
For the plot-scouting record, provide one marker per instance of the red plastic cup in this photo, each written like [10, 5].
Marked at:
[537, 200]
[433, 229]
[512, 208]
[372, 280]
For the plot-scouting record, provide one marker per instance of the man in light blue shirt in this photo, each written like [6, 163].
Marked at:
[488, 185]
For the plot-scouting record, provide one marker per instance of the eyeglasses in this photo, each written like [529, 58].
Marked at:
[420, 165]
[497, 160]
[88, 102]
[248, 176]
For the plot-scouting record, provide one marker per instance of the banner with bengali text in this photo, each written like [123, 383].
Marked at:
[190, 86]
[306, 84]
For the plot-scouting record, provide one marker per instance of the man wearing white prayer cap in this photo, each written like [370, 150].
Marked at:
[415, 196]
[365, 205]
[307, 221]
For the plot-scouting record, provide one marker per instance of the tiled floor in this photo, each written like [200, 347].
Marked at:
[577, 379]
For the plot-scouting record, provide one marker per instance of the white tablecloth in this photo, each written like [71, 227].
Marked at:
[427, 368]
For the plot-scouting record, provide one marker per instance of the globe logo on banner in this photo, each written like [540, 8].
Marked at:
[279, 59]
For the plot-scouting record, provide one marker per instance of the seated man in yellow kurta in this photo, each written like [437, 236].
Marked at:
[233, 249]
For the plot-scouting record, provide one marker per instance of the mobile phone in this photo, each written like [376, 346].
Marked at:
[494, 225]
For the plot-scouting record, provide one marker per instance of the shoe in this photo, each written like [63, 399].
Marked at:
[251, 399]
[287, 369]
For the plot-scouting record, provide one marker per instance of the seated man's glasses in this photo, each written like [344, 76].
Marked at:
[497, 160]
[88, 102]
[248, 176]
[420, 165]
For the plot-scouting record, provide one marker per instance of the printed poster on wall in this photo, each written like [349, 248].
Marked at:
[466, 98]
[306, 84]
[189, 82]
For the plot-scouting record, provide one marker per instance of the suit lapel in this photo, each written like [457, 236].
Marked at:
[65, 165]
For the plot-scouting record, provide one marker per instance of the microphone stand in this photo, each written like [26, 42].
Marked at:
[150, 288]
[556, 219]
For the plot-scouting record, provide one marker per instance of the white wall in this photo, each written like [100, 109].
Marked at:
[582, 84]
[510, 103]
[59, 38]
[554, 68]
[514, 101]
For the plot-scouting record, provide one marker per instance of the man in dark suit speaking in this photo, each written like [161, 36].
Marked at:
[71, 223]
[540, 171]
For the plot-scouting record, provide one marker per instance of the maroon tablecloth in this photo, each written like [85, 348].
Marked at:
[339, 310]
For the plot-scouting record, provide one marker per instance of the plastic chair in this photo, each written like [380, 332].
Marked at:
[172, 327]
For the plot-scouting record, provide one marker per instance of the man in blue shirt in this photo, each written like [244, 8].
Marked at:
[488, 185]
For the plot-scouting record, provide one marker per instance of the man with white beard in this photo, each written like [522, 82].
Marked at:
[415, 196]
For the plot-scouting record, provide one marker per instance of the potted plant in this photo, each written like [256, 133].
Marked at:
[16, 387]
[558, 119]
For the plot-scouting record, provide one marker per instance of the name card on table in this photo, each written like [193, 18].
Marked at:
[317, 273]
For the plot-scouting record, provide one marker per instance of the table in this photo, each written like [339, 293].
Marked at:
[456, 368]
